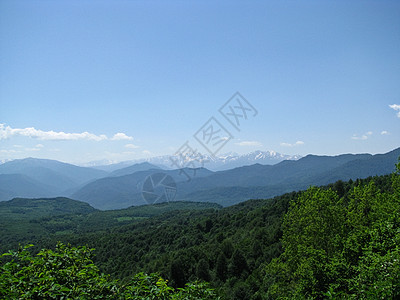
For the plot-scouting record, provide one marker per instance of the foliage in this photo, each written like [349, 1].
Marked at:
[340, 247]
[69, 273]
[154, 287]
[65, 272]
[29, 220]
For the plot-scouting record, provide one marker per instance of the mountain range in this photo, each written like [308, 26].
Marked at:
[215, 163]
[122, 187]
[56, 176]
[239, 184]
[124, 191]
[32, 177]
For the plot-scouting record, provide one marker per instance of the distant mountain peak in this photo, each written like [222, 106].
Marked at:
[142, 166]
[223, 161]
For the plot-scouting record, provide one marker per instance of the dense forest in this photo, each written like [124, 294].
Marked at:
[336, 241]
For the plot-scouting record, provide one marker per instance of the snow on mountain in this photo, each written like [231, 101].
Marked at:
[225, 162]
[222, 162]
[2, 161]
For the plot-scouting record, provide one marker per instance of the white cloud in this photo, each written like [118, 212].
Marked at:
[362, 137]
[128, 152]
[8, 132]
[249, 143]
[38, 147]
[5, 151]
[384, 132]
[121, 136]
[131, 146]
[396, 107]
[147, 152]
[298, 143]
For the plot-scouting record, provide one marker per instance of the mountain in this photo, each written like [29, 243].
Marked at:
[18, 185]
[145, 166]
[2, 161]
[57, 176]
[54, 178]
[21, 219]
[24, 221]
[234, 160]
[305, 170]
[257, 181]
[123, 187]
[42, 207]
[124, 191]
[242, 183]
[221, 162]
[108, 165]
[379, 164]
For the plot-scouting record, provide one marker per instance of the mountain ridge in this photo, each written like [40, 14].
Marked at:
[219, 163]
[122, 188]
[266, 180]
[54, 176]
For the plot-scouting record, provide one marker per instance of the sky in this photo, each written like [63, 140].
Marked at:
[118, 80]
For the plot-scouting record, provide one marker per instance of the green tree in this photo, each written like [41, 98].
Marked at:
[239, 263]
[339, 188]
[379, 266]
[313, 230]
[227, 248]
[177, 272]
[203, 270]
[154, 287]
[69, 273]
[222, 267]
[52, 274]
[340, 248]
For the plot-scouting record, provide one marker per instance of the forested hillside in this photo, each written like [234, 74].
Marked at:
[29, 220]
[340, 240]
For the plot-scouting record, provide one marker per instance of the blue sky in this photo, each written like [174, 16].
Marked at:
[120, 80]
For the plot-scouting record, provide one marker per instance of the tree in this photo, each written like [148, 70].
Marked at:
[379, 265]
[239, 263]
[202, 270]
[227, 248]
[69, 273]
[340, 248]
[51, 274]
[256, 250]
[154, 287]
[313, 230]
[222, 267]
[177, 272]
[208, 225]
[339, 188]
